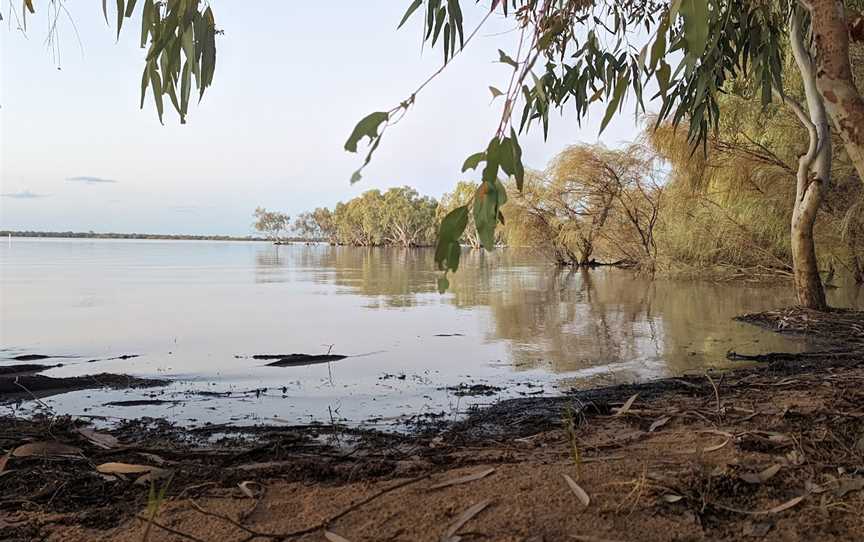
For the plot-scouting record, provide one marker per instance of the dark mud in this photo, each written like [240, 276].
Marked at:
[841, 328]
[474, 390]
[803, 415]
[687, 453]
[26, 383]
[24, 368]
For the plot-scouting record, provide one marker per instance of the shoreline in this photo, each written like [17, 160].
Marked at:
[772, 451]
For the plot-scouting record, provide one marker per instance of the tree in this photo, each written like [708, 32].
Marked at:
[409, 219]
[271, 223]
[588, 196]
[306, 227]
[583, 53]
[586, 55]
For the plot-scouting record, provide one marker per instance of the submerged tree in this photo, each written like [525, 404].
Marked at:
[273, 224]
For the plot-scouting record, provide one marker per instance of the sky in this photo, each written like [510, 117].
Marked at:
[292, 79]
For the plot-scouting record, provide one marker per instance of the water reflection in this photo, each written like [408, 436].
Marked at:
[560, 320]
[195, 311]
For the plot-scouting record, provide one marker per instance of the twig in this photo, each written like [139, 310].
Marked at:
[716, 391]
[170, 530]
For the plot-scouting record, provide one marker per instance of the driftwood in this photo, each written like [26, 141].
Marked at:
[297, 360]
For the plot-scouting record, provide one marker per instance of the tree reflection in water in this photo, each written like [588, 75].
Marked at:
[575, 322]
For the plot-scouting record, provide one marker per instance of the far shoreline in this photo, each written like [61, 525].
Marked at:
[132, 236]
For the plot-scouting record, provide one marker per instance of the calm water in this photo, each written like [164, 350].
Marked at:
[195, 310]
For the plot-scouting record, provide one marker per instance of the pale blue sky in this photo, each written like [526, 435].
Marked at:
[292, 79]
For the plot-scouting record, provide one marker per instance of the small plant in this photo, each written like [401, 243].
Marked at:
[154, 501]
[572, 439]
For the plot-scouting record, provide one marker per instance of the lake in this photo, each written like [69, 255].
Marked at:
[196, 311]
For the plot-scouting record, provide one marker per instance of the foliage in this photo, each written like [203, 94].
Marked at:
[180, 38]
[316, 225]
[399, 217]
[591, 198]
[273, 224]
[461, 196]
[573, 40]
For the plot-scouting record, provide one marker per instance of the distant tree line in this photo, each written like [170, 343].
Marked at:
[112, 235]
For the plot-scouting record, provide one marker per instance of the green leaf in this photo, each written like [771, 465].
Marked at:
[147, 16]
[130, 8]
[368, 127]
[456, 19]
[448, 250]
[473, 161]
[439, 22]
[156, 85]
[443, 284]
[495, 92]
[615, 102]
[208, 54]
[105, 10]
[120, 10]
[356, 176]
[490, 172]
[505, 59]
[695, 14]
[145, 81]
[518, 167]
[663, 74]
[486, 213]
[658, 48]
[411, 9]
[185, 88]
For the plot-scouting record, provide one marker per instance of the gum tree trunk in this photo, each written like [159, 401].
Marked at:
[831, 31]
[813, 175]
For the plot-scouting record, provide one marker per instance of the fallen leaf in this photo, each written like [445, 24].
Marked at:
[102, 440]
[776, 510]
[463, 479]
[760, 477]
[45, 449]
[716, 447]
[333, 537]
[658, 423]
[465, 517]
[4, 460]
[577, 490]
[124, 468]
[246, 488]
[626, 406]
[769, 473]
[671, 498]
[588, 538]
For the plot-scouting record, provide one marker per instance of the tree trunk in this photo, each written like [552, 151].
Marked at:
[834, 76]
[813, 175]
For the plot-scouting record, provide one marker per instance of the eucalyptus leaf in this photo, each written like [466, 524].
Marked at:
[367, 127]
